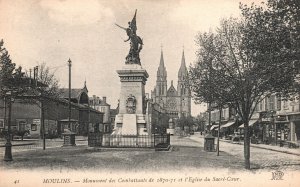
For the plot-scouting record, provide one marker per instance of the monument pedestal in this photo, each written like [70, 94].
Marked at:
[132, 106]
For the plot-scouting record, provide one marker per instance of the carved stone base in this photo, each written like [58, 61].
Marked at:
[131, 124]
[131, 117]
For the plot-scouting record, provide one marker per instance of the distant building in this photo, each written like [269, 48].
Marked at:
[94, 102]
[157, 117]
[27, 116]
[113, 113]
[104, 107]
[274, 120]
[176, 102]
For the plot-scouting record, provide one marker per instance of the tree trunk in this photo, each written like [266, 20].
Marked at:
[209, 117]
[10, 135]
[43, 124]
[9, 138]
[247, 145]
[219, 127]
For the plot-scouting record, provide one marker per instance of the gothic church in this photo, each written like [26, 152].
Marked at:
[177, 102]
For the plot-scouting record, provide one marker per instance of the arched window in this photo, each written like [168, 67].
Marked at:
[159, 89]
[181, 89]
[83, 99]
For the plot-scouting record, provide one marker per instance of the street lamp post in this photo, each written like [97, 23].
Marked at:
[69, 99]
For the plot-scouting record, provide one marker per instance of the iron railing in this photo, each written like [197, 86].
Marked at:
[130, 141]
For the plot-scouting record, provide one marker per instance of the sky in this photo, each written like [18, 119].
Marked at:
[52, 31]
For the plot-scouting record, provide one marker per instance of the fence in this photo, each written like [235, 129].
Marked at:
[95, 139]
[133, 141]
[161, 140]
[37, 144]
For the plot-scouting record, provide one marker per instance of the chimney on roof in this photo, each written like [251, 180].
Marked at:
[104, 99]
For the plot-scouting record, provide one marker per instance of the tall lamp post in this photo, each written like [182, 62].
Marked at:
[8, 153]
[70, 65]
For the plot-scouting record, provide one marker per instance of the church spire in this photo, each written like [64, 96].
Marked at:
[161, 63]
[182, 70]
[183, 59]
[161, 71]
[161, 80]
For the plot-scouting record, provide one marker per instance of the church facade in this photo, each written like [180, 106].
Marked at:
[176, 101]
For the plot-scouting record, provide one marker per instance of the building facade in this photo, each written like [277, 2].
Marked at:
[275, 120]
[102, 106]
[27, 116]
[157, 117]
[279, 120]
[176, 101]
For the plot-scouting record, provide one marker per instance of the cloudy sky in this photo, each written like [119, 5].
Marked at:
[52, 31]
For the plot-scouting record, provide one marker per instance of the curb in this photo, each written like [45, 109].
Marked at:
[120, 149]
[266, 148]
[281, 151]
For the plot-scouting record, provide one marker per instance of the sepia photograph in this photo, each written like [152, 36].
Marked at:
[149, 93]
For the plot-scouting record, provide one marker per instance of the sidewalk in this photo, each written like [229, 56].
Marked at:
[30, 144]
[31, 141]
[293, 151]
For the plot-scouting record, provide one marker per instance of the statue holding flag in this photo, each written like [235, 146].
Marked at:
[136, 43]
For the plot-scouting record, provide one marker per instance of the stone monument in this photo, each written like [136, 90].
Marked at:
[133, 102]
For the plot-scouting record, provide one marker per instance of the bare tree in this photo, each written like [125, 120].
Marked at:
[44, 89]
[12, 84]
[250, 58]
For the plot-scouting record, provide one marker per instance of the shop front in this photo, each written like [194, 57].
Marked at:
[278, 129]
[282, 129]
[266, 128]
[66, 124]
[253, 129]
[294, 125]
[228, 129]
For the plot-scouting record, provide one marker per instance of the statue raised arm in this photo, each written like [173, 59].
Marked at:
[136, 43]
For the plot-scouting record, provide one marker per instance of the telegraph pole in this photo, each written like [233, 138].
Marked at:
[70, 65]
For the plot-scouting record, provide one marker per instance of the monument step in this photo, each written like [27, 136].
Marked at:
[122, 148]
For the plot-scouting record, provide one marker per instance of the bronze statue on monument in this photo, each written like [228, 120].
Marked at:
[136, 43]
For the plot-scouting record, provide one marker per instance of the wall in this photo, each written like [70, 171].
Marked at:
[30, 115]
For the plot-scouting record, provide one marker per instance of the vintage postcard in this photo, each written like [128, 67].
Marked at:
[149, 93]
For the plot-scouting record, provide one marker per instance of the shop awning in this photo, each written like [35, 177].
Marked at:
[67, 120]
[213, 127]
[251, 123]
[228, 124]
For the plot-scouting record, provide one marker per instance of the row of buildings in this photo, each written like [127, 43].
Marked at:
[274, 120]
[88, 114]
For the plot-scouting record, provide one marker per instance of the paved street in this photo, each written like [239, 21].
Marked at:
[187, 155]
[260, 158]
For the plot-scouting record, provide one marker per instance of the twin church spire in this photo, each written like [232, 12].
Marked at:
[176, 102]
[161, 82]
[162, 72]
